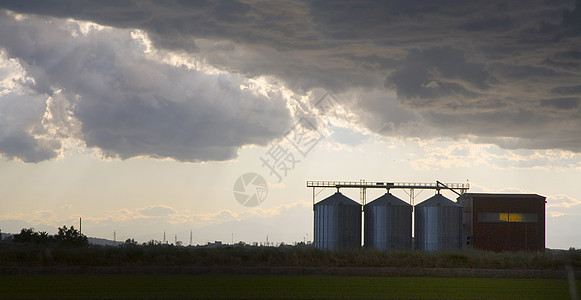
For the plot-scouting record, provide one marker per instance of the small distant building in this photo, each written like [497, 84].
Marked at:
[503, 222]
[215, 244]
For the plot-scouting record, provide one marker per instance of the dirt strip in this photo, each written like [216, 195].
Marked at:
[245, 270]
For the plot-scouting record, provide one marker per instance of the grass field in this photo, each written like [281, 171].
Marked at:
[277, 287]
[36, 271]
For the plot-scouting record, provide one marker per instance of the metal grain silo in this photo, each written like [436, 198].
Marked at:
[388, 223]
[438, 224]
[337, 223]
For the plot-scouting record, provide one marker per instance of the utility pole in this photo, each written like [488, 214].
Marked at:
[191, 237]
[114, 236]
[80, 226]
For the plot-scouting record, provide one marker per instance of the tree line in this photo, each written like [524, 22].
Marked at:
[64, 237]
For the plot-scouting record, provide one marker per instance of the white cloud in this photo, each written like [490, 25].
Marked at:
[157, 211]
[441, 153]
[103, 89]
[563, 205]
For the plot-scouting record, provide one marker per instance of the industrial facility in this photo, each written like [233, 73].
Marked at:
[497, 222]
[503, 222]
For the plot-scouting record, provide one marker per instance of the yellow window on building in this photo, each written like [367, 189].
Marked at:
[511, 217]
[507, 217]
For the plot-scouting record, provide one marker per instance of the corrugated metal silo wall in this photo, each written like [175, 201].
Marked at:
[388, 227]
[337, 226]
[438, 227]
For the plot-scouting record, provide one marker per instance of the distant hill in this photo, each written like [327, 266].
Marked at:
[103, 242]
[4, 235]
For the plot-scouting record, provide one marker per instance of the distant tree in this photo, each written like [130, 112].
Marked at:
[26, 235]
[130, 242]
[44, 238]
[152, 243]
[70, 237]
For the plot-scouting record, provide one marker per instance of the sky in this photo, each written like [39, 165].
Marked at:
[206, 118]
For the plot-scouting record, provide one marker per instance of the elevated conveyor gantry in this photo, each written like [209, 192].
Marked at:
[411, 188]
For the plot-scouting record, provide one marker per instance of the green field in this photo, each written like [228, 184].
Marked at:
[277, 287]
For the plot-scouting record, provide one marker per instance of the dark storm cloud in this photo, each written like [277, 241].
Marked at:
[567, 90]
[488, 24]
[561, 103]
[437, 72]
[175, 24]
[522, 72]
[572, 19]
[483, 69]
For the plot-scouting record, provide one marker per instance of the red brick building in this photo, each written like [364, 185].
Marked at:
[503, 222]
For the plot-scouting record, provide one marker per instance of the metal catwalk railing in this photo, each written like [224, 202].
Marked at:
[458, 188]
